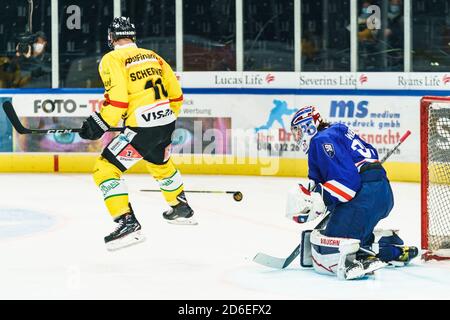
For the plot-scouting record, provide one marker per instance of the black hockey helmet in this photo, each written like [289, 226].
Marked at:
[120, 28]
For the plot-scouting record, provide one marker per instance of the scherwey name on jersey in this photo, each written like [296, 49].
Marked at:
[144, 73]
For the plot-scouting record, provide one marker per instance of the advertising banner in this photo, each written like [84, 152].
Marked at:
[201, 127]
[318, 80]
[6, 140]
[247, 114]
[380, 121]
[266, 80]
[51, 111]
[242, 125]
[261, 123]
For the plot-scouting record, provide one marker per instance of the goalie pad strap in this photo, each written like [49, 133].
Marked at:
[329, 254]
[305, 249]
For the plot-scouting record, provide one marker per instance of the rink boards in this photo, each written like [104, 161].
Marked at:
[225, 127]
[76, 163]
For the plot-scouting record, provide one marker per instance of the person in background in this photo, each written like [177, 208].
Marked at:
[9, 73]
[34, 61]
[394, 34]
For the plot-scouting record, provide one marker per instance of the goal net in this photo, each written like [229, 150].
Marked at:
[435, 177]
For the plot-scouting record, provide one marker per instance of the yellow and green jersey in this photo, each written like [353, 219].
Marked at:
[140, 87]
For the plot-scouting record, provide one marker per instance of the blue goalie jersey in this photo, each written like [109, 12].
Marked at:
[335, 157]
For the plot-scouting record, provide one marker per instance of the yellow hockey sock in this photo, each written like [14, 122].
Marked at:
[169, 179]
[115, 194]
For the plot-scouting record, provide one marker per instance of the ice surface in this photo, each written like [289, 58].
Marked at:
[51, 245]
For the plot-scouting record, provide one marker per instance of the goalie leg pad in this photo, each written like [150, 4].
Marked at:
[330, 254]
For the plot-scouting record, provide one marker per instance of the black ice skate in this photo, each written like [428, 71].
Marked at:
[372, 263]
[408, 253]
[182, 213]
[352, 270]
[358, 269]
[127, 233]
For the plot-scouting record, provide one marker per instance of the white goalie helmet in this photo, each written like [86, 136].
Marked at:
[304, 126]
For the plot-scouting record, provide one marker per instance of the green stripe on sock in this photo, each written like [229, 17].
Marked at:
[171, 190]
[116, 195]
[108, 180]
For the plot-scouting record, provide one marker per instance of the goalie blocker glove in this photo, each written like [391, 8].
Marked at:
[93, 127]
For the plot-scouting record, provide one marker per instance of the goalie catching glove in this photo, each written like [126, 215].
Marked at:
[93, 127]
[303, 205]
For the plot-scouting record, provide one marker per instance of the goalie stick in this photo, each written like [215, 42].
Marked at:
[14, 119]
[281, 263]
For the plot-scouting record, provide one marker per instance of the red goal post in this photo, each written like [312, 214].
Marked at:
[435, 177]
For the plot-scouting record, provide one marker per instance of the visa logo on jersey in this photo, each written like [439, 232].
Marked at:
[349, 109]
[154, 115]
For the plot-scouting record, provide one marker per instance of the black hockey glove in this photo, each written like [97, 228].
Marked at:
[93, 127]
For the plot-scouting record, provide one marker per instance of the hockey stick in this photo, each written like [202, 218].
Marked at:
[237, 195]
[14, 119]
[390, 152]
[281, 263]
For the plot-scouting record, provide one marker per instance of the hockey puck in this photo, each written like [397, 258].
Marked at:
[237, 196]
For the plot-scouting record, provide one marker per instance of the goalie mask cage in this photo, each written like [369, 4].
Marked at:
[435, 177]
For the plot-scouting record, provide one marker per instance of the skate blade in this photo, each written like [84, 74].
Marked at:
[396, 264]
[360, 273]
[184, 221]
[356, 273]
[375, 266]
[126, 241]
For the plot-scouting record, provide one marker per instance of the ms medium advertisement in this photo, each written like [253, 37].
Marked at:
[379, 120]
[260, 124]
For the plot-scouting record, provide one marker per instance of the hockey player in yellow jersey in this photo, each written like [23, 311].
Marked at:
[142, 90]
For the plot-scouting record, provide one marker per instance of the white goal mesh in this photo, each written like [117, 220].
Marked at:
[435, 161]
